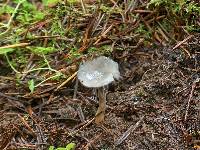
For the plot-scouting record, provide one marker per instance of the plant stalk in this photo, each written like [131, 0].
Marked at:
[100, 114]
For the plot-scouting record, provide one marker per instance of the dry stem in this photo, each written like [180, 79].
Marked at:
[102, 106]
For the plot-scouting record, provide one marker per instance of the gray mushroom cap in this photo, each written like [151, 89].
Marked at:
[98, 72]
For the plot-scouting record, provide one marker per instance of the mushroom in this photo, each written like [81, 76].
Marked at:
[98, 73]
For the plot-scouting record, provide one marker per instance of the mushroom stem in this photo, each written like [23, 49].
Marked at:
[102, 105]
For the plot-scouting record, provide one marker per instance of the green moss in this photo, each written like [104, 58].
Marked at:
[28, 13]
[42, 50]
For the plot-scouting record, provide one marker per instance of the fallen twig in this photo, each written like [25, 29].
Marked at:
[127, 133]
[181, 42]
[15, 45]
[88, 122]
[190, 97]
[65, 82]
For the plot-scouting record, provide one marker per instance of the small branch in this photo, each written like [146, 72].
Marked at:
[83, 6]
[27, 125]
[128, 132]
[180, 43]
[103, 35]
[190, 97]
[80, 113]
[15, 45]
[65, 82]
[142, 11]
[88, 122]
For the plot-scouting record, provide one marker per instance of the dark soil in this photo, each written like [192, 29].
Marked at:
[160, 87]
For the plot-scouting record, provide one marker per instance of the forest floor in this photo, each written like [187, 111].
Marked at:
[154, 106]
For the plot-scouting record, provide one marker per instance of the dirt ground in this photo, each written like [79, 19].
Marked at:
[155, 106]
